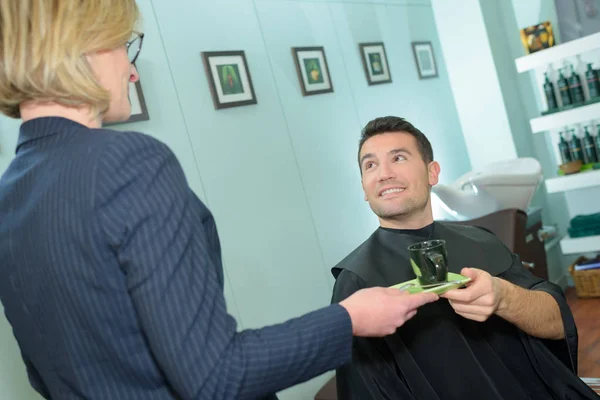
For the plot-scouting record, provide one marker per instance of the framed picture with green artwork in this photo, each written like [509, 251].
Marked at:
[312, 69]
[375, 63]
[228, 78]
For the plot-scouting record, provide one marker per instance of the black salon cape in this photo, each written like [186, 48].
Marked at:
[439, 354]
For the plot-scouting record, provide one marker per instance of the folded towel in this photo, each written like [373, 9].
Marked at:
[585, 221]
[585, 225]
[582, 232]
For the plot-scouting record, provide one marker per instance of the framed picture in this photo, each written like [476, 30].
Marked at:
[139, 111]
[375, 63]
[312, 69]
[425, 60]
[228, 78]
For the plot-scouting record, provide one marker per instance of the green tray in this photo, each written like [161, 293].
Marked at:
[457, 279]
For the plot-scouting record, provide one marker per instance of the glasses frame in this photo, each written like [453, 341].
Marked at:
[140, 37]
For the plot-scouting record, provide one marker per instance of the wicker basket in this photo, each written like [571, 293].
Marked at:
[587, 282]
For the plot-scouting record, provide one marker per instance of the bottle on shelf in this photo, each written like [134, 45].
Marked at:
[575, 147]
[549, 92]
[593, 81]
[589, 148]
[563, 88]
[563, 148]
[575, 87]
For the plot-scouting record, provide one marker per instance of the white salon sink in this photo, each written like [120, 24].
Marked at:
[498, 186]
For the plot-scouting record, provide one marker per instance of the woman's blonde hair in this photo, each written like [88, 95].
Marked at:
[42, 48]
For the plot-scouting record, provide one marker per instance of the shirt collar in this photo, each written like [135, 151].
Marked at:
[38, 128]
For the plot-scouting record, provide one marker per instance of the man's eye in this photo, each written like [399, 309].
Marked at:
[399, 158]
[369, 165]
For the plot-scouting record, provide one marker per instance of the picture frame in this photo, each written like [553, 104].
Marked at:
[229, 78]
[313, 70]
[139, 110]
[425, 60]
[375, 63]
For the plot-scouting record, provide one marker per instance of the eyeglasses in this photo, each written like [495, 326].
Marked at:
[134, 46]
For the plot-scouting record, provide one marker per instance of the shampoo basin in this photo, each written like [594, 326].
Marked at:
[498, 186]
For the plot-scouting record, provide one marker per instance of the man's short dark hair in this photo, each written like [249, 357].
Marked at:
[396, 124]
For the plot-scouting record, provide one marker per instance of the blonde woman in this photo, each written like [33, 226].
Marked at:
[110, 271]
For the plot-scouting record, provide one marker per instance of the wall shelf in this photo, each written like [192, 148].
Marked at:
[553, 54]
[580, 180]
[553, 122]
[588, 244]
[560, 119]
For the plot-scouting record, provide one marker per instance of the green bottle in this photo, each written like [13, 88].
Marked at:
[589, 148]
[549, 91]
[591, 76]
[575, 147]
[563, 148]
[563, 88]
[575, 87]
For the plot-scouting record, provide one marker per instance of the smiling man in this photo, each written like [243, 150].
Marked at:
[508, 335]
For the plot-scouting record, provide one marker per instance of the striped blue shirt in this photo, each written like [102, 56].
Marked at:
[111, 278]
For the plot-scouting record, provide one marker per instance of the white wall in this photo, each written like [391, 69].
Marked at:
[474, 81]
[531, 12]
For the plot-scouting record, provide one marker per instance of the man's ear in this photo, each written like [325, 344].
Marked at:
[433, 173]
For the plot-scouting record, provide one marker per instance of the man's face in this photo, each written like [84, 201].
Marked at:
[395, 179]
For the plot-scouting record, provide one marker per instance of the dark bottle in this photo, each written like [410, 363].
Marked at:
[575, 87]
[549, 91]
[563, 88]
[593, 82]
[589, 149]
[563, 148]
[575, 147]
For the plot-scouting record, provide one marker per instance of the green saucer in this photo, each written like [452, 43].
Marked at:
[454, 281]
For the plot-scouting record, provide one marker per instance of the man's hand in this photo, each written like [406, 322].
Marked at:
[380, 311]
[480, 299]
[533, 311]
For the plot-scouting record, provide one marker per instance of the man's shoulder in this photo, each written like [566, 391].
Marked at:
[476, 246]
[346, 283]
[355, 258]
[472, 233]
[469, 230]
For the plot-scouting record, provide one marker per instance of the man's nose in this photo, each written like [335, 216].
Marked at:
[386, 172]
